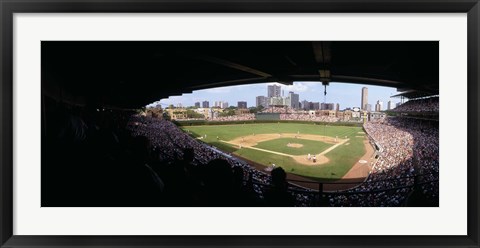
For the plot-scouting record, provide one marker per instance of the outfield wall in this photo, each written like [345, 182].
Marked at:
[204, 122]
[267, 116]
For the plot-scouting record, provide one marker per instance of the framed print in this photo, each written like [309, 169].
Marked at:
[267, 123]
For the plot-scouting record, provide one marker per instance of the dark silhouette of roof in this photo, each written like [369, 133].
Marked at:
[127, 74]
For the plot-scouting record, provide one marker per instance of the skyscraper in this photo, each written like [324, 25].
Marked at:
[368, 108]
[197, 104]
[378, 106]
[262, 101]
[294, 100]
[364, 98]
[326, 106]
[305, 105]
[389, 107]
[205, 104]
[274, 91]
[242, 105]
[222, 104]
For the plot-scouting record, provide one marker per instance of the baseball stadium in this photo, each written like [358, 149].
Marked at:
[317, 152]
[104, 144]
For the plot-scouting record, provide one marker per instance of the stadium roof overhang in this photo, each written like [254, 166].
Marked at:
[412, 94]
[134, 74]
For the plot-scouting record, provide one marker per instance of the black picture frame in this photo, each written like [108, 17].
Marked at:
[9, 7]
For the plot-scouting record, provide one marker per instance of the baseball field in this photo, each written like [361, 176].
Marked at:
[314, 151]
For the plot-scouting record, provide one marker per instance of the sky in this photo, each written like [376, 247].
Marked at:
[347, 95]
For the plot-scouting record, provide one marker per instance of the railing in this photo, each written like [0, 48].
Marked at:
[319, 197]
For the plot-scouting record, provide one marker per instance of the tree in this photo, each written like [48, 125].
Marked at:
[193, 114]
[227, 112]
[254, 110]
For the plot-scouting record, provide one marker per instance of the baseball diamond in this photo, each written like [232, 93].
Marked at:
[312, 151]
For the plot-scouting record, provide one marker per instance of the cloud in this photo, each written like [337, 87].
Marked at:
[217, 90]
[173, 100]
[301, 87]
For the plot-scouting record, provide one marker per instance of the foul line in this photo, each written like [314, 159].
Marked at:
[288, 155]
[333, 147]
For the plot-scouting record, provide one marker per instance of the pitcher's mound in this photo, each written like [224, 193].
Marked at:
[294, 145]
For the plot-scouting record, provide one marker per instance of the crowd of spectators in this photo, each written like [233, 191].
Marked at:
[408, 148]
[273, 109]
[430, 104]
[242, 117]
[169, 144]
[120, 159]
[308, 117]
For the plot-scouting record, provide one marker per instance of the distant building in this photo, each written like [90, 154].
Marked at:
[220, 104]
[389, 105]
[369, 108]
[204, 111]
[305, 105]
[378, 106]
[293, 100]
[274, 91]
[315, 105]
[242, 111]
[327, 106]
[197, 105]
[177, 113]
[338, 107]
[287, 101]
[296, 101]
[205, 104]
[262, 101]
[356, 114]
[340, 115]
[364, 98]
[347, 115]
[223, 105]
[242, 105]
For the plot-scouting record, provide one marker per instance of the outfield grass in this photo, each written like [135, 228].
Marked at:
[341, 158]
[229, 132]
[281, 145]
[341, 161]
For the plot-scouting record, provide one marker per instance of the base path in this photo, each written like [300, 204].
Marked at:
[250, 141]
[263, 150]
[356, 175]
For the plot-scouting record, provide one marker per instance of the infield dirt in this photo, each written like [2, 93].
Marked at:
[252, 140]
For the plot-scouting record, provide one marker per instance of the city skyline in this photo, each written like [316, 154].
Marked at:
[344, 94]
